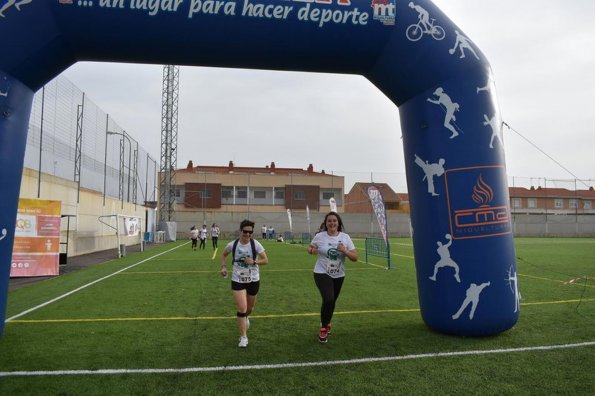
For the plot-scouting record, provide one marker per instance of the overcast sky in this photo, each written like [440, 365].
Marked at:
[541, 53]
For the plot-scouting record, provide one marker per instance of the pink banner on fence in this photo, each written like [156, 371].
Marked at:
[36, 248]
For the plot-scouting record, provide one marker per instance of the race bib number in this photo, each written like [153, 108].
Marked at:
[333, 268]
[245, 275]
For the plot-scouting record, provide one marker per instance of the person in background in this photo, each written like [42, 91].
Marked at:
[202, 235]
[263, 229]
[332, 246]
[247, 256]
[215, 234]
[193, 237]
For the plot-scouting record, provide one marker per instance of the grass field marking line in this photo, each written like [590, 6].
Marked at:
[556, 280]
[559, 302]
[214, 254]
[87, 285]
[292, 365]
[271, 316]
[541, 278]
[402, 255]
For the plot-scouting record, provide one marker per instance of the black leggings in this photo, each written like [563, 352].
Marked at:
[215, 239]
[329, 291]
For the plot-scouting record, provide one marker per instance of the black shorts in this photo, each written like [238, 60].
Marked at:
[251, 288]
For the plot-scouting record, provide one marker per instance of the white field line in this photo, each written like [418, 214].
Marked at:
[291, 365]
[85, 286]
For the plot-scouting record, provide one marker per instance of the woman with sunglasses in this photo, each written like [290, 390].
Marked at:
[247, 254]
[331, 245]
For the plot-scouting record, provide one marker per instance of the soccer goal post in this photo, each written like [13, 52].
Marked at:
[377, 247]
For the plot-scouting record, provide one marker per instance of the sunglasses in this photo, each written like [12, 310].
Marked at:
[248, 231]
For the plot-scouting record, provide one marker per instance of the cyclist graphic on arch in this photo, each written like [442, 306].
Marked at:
[445, 260]
[450, 107]
[496, 126]
[416, 31]
[11, 3]
[462, 43]
[430, 170]
[472, 297]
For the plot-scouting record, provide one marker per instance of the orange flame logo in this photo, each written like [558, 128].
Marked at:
[482, 192]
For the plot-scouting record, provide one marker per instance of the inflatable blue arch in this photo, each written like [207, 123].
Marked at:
[437, 77]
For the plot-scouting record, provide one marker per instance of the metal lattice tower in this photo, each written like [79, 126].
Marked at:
[169, 142]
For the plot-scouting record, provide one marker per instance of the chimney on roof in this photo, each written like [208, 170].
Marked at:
[591, 188]
[539, 188]
[322, 171]
[310, 169]
[230, 166]
[272, 165]
[532, 188]
[190, 165]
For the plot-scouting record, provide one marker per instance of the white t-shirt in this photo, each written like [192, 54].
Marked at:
[203, 233]
[215, 231]
[244, 273]
[331, 261]
[194, 234]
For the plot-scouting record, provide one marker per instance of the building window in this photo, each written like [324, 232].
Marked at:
[279, 194]
[516, 203]
[328, 195]
[260, 194]
[299, 195]
[241, 193]
[532, 203]
[558, 203]
[227, 193]
[205, 194]
[573, 203]
[587, 204]
[177, 192]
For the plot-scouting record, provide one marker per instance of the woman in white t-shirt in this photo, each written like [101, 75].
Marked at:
[331, 245]
[247, 255]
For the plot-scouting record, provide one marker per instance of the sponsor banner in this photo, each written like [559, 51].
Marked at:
[378, 205]
[36, 249]
[290, 221]
[478, 202]
[132, 226]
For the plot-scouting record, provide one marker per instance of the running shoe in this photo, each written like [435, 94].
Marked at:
[322, 337]
[243, 342]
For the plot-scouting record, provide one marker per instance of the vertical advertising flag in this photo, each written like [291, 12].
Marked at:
[290, 221]
[333, 204]
[378, 206]
[308, 218]
[36, 248]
